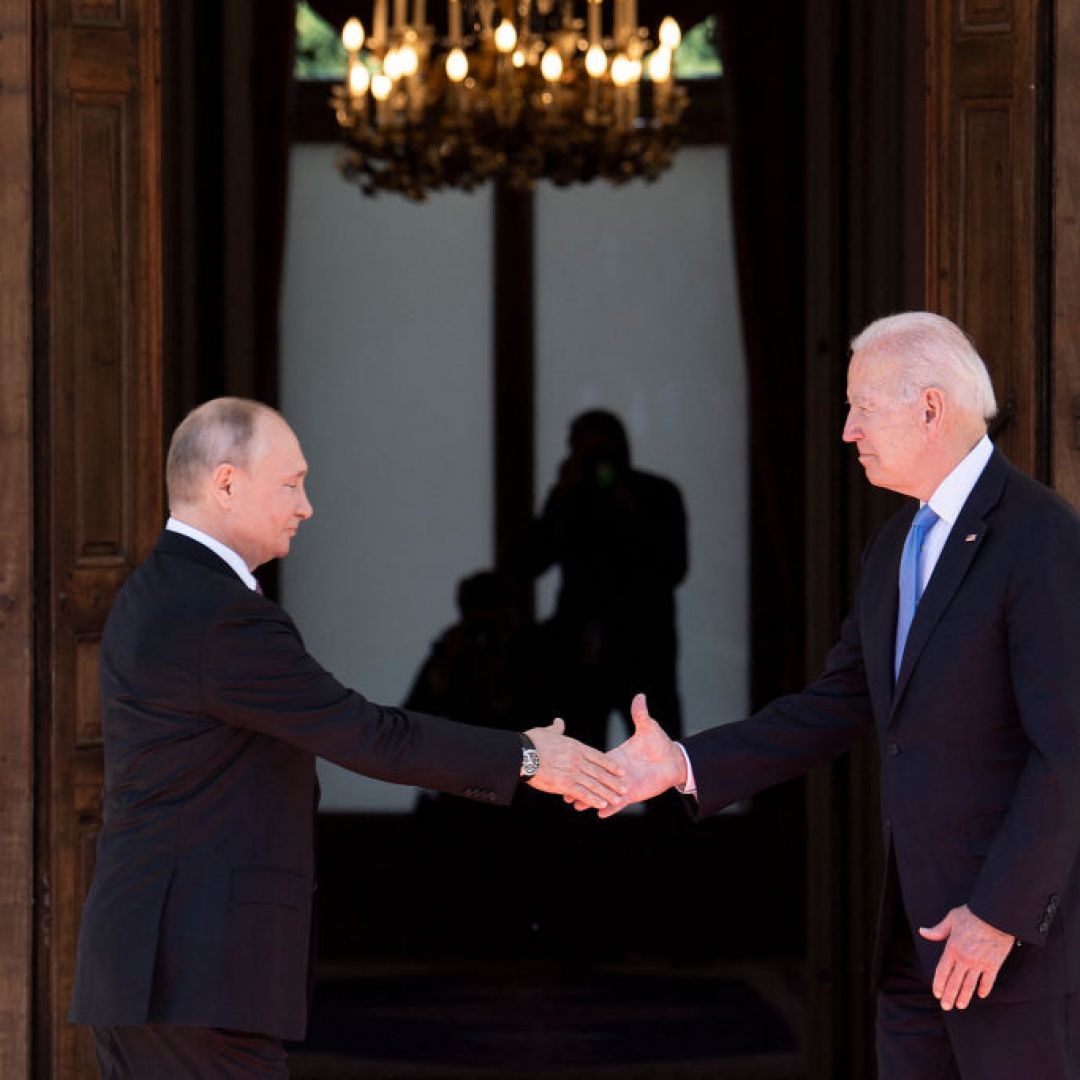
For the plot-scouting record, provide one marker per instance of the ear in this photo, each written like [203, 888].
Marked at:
[933, 407]
[222, 485]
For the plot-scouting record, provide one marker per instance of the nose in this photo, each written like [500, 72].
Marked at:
[305, 509]
[852, 431]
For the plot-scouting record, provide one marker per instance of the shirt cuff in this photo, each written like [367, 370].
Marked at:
[690, 787]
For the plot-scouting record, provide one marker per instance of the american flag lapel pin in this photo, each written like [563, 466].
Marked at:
[970, 538]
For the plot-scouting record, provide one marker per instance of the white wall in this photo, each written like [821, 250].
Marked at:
[386, 376]
[638, 313]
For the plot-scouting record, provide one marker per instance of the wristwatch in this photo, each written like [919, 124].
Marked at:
[530, 759]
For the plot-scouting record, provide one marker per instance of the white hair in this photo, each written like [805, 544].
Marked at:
[218, 432]
[932, 351]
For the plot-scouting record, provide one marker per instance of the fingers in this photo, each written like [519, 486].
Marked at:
[580, 774]
[599, 760]
[958, 983]
[942, 974]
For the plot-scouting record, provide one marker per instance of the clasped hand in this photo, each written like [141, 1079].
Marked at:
[648, 764]
[582, 775]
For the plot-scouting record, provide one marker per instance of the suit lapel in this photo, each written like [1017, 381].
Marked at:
[961, 549]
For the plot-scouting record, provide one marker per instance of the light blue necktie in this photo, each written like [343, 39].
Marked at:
[911, 578]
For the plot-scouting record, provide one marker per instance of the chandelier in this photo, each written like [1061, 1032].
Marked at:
[515, 93]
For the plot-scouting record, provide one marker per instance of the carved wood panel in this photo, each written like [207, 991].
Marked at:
[102, 439]
[1066, 253]
[985, 201]
[16, 532]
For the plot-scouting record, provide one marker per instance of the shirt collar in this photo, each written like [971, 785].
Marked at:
[216, 546]
[951, 494]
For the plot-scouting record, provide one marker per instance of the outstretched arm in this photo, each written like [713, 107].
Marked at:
[584, 776]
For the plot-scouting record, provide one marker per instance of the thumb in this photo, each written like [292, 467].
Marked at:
[558, 725]
[939, 932]
[639, 712]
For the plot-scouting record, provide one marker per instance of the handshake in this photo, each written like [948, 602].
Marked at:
[647, 764]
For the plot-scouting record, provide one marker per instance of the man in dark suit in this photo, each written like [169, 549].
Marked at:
[976, 701]
[194, 949]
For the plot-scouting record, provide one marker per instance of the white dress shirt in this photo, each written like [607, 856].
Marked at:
[947, 501]
[217, 547]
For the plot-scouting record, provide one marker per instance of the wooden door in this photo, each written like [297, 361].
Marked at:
[98, 438]
[988, 198]
[1065, 284]
[16, 579]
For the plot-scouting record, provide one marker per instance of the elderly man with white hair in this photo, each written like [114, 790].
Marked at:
[962, 649]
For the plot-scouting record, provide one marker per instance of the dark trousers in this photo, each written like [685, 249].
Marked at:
[168, 1052]
[918, 1040]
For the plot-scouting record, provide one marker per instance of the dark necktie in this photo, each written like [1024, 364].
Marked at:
[911, 562]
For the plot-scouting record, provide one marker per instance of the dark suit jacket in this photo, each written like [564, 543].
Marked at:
[979, 738]
[213, 712]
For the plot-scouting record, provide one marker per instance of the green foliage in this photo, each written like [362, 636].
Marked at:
[698, 55]
[319, 52]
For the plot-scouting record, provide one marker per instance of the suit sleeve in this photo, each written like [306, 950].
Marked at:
[1028, 864]
[790, 735]
[256, 674]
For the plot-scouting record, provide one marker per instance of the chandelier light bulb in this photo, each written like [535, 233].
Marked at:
[518, 59]
[551, 66]
[660, 65]
[391, 64]
[381, 87]
[359, 79]
[596, 61]
[622, 70]
[408, 61]
[457, 65]
[670, 34]
[352, 35]
[505, 37]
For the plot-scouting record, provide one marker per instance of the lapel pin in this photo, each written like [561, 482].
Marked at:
[969, 538]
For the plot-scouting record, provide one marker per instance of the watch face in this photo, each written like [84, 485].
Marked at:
[530, 762]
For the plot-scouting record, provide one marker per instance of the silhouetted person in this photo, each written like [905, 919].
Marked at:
[484, 665]
[618, 536]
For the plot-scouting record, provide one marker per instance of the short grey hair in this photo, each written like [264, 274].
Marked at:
[218, 432]
[932, 351]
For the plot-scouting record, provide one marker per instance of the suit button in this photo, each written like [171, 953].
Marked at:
[892, 748]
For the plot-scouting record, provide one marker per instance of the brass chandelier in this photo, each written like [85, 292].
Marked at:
[517, 92]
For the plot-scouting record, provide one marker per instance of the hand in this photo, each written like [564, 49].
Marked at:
[651, 763]
[584, 776]
[974, 953]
